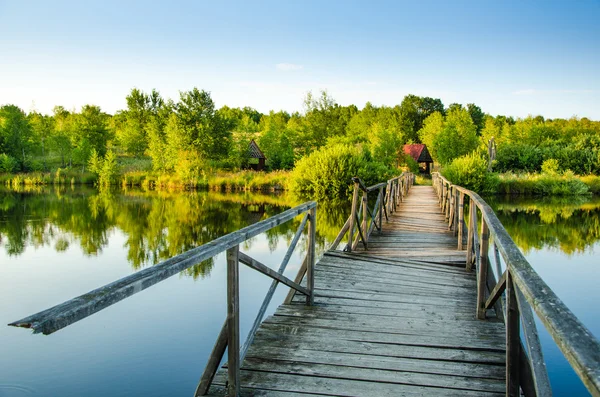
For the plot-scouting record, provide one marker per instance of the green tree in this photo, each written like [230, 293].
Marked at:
[477, 116]
[42, 127]
[15, 133]
[413, 112]
[201, 126]
[457, 138]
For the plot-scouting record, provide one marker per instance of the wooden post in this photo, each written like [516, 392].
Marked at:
[471, 235]
[381, 194]
[461, 219]
[456, 212]
[353, 219]
[482, 270]
[233, 322]
[365, 223]
[311, 256]
[513, 339]
[443, 199]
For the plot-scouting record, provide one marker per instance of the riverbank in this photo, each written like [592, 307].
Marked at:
[542, 184]
[219, 181]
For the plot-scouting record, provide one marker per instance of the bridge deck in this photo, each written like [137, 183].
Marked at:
[396, 320]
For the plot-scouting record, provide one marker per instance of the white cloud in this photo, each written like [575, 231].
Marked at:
[288, 67]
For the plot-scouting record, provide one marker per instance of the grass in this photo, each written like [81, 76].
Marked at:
[423, 180]
[544, 184]
[60, 177]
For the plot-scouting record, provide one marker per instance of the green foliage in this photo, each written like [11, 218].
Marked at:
[328, 172]
[450, 137]
[468, 171]
[8, 163]
[543, 184]
[550, 167]
[406, 161]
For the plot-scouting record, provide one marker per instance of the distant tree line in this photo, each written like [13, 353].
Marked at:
[189, 136]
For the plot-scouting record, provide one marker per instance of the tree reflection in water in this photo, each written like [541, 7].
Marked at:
[157, 225]
[571, 225]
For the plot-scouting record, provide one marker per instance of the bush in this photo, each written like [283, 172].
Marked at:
[328, 172]
[8, 163]
[550, 167]
[468, 171]
[518, 157]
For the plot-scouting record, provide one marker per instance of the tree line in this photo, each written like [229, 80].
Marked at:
[190, 136]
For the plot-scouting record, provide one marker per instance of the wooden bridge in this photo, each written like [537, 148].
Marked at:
[425, 298]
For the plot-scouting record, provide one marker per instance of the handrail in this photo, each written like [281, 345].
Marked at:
[69, 312]
[364, 220]
[524, 290]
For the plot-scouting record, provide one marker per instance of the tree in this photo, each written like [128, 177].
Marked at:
[477, 116]
[42, 128]
[60, 140]
[457, 138]
[88, 130]
[201, 125]
[432, 127]
[413, 112]
[15, 133]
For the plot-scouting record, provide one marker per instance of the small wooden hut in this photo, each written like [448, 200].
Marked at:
[419, 153]
[255, 153]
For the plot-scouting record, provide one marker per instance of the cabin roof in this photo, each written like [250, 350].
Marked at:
[255, 151]
[419, 152]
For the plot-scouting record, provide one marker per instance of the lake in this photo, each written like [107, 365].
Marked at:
[57, 243]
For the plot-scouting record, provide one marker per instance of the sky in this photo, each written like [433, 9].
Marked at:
[510, 58]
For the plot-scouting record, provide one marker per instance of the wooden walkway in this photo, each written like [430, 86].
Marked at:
[395, 320]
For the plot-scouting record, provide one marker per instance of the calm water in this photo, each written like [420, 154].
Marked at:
[57, 244]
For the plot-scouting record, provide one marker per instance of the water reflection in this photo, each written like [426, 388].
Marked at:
[571, 225]
[157, 225]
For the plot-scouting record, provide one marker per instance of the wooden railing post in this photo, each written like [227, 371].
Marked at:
[365, 223]
[233, 322]
[461, 219]
[482, 270]
[471, 236]
[381, 194]
[353, 219]
[456, 211]
[513, 339]
[311, 256]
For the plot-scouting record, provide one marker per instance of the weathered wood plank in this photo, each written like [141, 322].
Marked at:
[341, 387]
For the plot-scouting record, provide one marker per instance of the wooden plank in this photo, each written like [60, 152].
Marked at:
[340, 387]
[451, 368]
[307, 367]
[480, 349]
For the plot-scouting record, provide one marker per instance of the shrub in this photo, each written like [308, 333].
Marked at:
[8, 163]
[550, 167]
[328, 172]
[468, 171]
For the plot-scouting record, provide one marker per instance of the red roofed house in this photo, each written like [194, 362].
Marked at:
[420, 154]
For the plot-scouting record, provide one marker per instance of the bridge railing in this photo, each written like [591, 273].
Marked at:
[363, 220]
[523, 290]
[69, 312]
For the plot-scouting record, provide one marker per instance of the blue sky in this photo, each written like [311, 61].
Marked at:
[513, 58]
